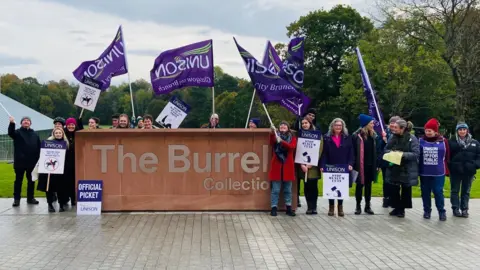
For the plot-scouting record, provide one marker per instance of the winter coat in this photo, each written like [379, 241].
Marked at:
[333, 155]
[406, 173]
[359, 152]
[464, 161]
[57, 181]
[70, 155]
[26, 145]
[283, 171]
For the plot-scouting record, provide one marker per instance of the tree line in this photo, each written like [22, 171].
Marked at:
[423, 62]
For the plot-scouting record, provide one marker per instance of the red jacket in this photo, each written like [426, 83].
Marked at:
[289, 165]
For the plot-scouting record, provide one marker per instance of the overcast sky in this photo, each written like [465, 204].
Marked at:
[48, 39]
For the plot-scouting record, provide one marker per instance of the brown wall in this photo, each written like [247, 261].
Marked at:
[153, 185]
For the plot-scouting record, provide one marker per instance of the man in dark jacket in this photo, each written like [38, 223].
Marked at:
[26, 144]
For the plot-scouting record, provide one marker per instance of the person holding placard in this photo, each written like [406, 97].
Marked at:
[71, 126]
[26, 151]
[402, 177]
[337, 149]
[282, 170]
[366, 153]
[56, 183]
[312, 172]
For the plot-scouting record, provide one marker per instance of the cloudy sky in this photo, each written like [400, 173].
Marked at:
[48, 39]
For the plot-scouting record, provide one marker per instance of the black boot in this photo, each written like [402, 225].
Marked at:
[273, 213]
[385, 203]
[51, 209]
[298, 201]
[358, 209]
[61, 209]
[368, 209]
[16, 203]
[290, 212]
[465, 213]
[457, 213]
[32, 201]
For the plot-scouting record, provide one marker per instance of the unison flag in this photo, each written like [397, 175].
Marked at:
[373, 109]
[296, 104]
[190, 65]
[111, 63]
[293, 65]
[270, 87]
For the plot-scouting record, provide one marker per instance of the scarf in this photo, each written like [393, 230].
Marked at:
[280, 151]
[465, 142]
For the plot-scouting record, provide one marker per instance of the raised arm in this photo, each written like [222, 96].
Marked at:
[11, 129]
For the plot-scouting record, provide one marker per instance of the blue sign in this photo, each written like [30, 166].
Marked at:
[90, 190]
[310, 134]
[180, 104]
[54, 144]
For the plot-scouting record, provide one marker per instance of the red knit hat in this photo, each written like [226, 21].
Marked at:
[432, 124]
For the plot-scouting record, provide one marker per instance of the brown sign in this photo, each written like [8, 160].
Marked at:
[179, 169]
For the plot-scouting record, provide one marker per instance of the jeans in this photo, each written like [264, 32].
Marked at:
[311, 193]
[465, 183]
[287, 193]
[17, 186]
[429, 184]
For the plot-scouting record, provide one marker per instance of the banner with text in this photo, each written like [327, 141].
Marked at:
[190, 65]
[336, 182]
[89, 197]
[52, 157]
[308, 147]
[173, 114]
[88, 94]
[111, 63]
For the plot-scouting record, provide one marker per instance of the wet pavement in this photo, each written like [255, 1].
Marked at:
[31, 238]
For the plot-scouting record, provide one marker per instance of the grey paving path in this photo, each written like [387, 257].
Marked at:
[30, 238]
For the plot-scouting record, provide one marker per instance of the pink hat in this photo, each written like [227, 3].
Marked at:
[71, 121]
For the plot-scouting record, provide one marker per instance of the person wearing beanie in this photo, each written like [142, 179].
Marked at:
[115, 119]
[463, 165]
[382, 142]
[59, 122]
[337, 149]
[26, 152]
[366, 153]
[402, 177]
[72, 125]
[254, 123]
[282, 170]
[313, 175]
[434, 155]
[140, 122]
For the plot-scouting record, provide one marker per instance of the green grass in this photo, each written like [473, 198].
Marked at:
[7, 177]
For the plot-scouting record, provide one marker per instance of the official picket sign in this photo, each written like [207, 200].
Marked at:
[336, 182]
[174, 113]
[308, 147]
[52, 157]
[89, 197]
[88, 94]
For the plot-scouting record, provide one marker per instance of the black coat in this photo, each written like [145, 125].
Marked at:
[26, 144]
[57, 182]
[407, 173]
[464, 161]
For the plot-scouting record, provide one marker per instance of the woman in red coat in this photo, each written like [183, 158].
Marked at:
[282, 169]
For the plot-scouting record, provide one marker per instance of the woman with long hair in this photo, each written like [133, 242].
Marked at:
[337, 149]
[282, 170]
[463, 165]
[366, 153]
[57, 181]
[402, 177]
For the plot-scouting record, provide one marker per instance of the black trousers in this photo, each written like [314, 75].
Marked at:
[401, 196]
[386, 186]
[369, 178]
[17, 186]
[311, 193]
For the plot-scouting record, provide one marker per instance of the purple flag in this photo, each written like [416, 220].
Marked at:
[190, 65]
[297, 104]
[373, 109]
[270, 87]
[293, 65]
[112, 62]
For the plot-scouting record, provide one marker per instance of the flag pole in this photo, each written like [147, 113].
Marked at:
[128, 72]
[5, 109]
[213, 100]
[251, 105]
[269, 119]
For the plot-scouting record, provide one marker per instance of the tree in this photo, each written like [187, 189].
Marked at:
[450, 27]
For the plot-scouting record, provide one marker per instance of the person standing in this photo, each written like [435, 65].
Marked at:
[72, 126]
[366, 153]
[140, 123]
[93, 123]
[115, 120]
[434, 155]
[148, 122]
[402, 177]
[57, 181]
[214, 119]
[337, 150]
[384, 164]
[310, 115]
[123, 121]
[254, 123]
[282, 170]
[463, 165]
[59, 122]
[26, 145]
[313, 175]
